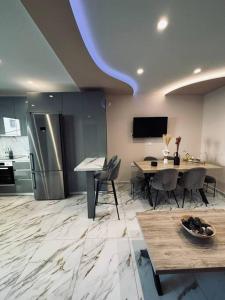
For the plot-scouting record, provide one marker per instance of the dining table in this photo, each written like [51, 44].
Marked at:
[146, 168]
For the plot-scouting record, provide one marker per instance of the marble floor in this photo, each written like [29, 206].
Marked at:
[50, 250]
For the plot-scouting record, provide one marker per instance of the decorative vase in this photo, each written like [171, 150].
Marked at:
[176, 159]
[165, 154]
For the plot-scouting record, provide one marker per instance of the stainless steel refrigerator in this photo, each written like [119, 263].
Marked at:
[46, 157]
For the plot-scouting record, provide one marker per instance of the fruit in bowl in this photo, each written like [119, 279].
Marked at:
[197, 227]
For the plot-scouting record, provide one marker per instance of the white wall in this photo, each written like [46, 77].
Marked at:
[19, 145]
[213, 132]
[185, 119]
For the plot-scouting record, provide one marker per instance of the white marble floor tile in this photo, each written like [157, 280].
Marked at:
[13, 260]
[52, 276]
[51, 250]
[106, 271]
[107, 211]
[107, 229]
[48, 250]
[69, 226]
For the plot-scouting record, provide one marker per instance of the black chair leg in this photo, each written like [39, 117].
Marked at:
[96, 196]
[156, 199]
[96, 193]
[168, 195]
[174, 195]
[116, 202]
[184, 195]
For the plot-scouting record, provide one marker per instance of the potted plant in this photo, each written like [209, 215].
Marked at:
[166, 140]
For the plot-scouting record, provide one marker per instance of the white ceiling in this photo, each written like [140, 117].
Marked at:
[28, 62]
[126, 38]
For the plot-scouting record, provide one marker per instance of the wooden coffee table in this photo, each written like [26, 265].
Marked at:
[172, 250]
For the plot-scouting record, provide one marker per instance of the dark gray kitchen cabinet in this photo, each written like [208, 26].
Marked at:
[84, 120]
[20, 113]
[94, 124]
[22, 175]
[15, 108]
[45, 102]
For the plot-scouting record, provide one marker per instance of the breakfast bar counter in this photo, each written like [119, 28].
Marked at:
[90, 165]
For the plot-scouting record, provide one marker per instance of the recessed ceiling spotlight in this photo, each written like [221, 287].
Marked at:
[51, 96]
[198, 70]
[162, 24]
[140, 71]
[33, 105]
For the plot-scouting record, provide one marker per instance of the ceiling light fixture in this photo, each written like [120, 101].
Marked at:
[51, 96]
[162, 24]
[198, 70]
[81, 17]
[140, 71]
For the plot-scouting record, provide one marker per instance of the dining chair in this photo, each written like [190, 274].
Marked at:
[210, 180]
[191, 180]
[110, 175]
[140, 179]
[165, 180]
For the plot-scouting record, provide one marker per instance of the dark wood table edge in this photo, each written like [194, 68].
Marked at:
[156, 273]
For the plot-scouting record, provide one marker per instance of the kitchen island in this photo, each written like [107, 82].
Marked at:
[90, 165]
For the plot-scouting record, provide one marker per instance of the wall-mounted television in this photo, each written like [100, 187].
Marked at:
[145, 127]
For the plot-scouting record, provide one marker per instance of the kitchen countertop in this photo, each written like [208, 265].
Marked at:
[16, 159]
[91, 164]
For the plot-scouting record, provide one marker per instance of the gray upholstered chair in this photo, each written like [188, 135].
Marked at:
[108, 165]
[139, 179]
[210, 180]
[165, 180]
[110, 174]
[193, 180]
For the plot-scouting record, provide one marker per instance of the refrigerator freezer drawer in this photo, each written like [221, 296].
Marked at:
[48, 185]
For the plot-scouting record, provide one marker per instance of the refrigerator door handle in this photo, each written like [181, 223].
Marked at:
[32, 161]
[34, 181]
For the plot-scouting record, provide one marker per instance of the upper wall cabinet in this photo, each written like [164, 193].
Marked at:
[13, 116]
[21, 114]
[45, 102]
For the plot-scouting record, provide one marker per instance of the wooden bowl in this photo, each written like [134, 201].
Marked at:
[196, 234]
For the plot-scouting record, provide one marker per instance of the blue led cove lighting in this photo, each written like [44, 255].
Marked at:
[84, 28]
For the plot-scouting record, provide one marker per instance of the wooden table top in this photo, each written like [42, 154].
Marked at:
[173, 250]
[145, 166]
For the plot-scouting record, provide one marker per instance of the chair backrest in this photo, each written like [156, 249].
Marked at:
[194, 178]
[150, 158]
[165, 180]
[114, 171]
[111, 162]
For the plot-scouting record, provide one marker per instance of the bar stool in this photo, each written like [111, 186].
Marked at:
[109, 175]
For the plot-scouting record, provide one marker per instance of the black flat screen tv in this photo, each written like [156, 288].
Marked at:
[145, 127]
